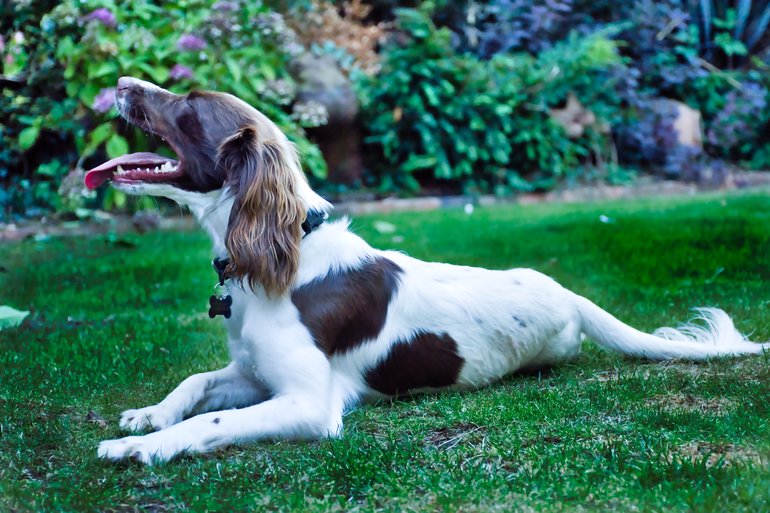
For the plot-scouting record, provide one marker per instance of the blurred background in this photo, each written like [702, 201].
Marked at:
[388, 97]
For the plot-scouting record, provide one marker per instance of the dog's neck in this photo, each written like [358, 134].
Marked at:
[212, 210]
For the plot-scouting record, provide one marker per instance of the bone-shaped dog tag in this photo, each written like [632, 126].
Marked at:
[220, 305]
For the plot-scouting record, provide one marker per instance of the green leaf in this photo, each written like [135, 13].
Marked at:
[104, 68]
[72, 89]
[116, 146]
[10, 317]
[28, 136]
[234, 68]
[158, 74]
[114, 199]
[65, 48]
[97, 136]
[416, 162]
[52, 168]
[430, 95]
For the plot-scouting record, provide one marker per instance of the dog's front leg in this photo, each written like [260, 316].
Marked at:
[207, 391]
[291, 416]
[302, 407]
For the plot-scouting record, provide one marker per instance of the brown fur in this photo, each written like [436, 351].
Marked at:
[264, 229]
[344, 309]
[428, 360]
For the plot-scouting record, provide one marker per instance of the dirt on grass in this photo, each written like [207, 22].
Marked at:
[448, 437]
[688, 402]
[717, 454]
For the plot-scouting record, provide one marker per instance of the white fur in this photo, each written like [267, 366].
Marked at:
[287, 388]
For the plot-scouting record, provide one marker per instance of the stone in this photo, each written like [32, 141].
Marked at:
[320, 80]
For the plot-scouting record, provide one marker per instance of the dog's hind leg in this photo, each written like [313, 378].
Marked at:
[563, 346]
[207, 391]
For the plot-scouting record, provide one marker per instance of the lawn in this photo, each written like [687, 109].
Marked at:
[118, 323]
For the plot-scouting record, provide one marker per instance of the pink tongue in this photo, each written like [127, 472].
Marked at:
[100, 174]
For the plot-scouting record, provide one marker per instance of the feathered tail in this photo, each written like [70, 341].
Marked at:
[710, 334]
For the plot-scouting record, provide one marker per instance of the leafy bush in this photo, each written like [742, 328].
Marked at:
[32, 97]
[735, 131]
[236, 46]
[732, 32]
[435, 112]
[515, 25]
[466, 96]
[700, 52]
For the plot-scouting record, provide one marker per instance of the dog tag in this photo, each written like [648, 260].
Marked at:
[220, 305]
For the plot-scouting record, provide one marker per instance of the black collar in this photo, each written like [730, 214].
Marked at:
[313, 219]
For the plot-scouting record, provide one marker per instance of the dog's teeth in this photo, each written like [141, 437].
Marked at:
[120, 171]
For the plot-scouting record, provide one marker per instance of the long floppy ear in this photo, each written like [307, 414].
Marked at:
[263, 233]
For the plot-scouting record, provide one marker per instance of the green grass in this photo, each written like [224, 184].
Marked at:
[117, 327]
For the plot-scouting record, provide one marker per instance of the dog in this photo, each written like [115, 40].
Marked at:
[316, 319]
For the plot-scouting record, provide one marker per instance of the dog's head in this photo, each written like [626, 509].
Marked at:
[224, 144]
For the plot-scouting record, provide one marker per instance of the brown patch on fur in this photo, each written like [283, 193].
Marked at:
[346, 308]
[427, 361]
[263, 233]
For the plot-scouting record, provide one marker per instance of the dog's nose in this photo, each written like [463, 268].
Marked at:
[126, 83]
[135, 85]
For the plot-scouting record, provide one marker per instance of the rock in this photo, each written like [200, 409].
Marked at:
[320, 80]
[667, 139]
[687, 121]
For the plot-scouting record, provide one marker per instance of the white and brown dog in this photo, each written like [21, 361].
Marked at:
[321, 321]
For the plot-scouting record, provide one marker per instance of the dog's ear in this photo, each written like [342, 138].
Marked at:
[264, 229]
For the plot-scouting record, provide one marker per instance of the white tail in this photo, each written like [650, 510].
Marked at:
[710, 334]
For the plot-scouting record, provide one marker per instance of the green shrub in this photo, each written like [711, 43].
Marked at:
[33, 158]
[240, 47]
[434, 112]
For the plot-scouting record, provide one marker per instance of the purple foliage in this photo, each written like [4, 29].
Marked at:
[509, 25]
[225, 6]
[103, 16]
[736, 122]
[104, 100]
[661, 44]
[651, 142]
[190, 43]
[180, 71]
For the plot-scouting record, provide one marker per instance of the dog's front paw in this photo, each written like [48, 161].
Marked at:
[124, 448]
[151, 418]
[148, 449]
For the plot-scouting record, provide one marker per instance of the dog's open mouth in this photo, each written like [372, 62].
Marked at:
[134, 167]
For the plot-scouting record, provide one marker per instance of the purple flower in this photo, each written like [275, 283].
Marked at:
[191, 43]
[225, 6]
[178, 72]
[104, 100]
[103, 16]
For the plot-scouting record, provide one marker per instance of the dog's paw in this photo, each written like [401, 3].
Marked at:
[148, 449]
[152, 418]
[124, 448]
